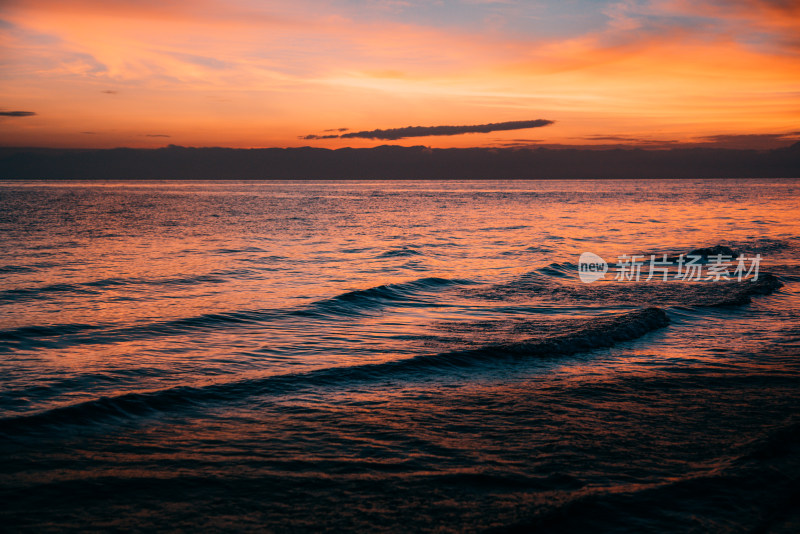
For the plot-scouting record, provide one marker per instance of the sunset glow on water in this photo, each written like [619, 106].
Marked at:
[394, 356]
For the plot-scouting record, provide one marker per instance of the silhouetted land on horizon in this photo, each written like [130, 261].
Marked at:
[395, 162]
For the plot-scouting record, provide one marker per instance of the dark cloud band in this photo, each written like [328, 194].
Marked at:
[312, 136]
[17, 113]
[393, 134]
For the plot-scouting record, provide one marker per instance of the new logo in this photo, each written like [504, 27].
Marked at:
[591, 267]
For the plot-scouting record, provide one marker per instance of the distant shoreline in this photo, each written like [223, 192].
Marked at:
[395, 162]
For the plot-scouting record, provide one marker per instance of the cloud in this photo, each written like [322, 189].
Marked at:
[312, 136]
[751, 141]
[157, 135]
[394, 134]
[425, 131]
[109, 92]
[730, 141]
[760, 24]
[260, 73]
[17, 113]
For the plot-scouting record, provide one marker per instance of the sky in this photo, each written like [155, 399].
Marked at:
[439, 73]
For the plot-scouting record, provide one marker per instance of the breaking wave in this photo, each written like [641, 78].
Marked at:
[343, 306]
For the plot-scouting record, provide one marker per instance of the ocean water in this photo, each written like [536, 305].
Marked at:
[396, 356]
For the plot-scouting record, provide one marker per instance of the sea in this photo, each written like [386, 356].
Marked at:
[400, 356]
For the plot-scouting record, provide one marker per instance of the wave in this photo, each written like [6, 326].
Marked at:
[571, 336]
[560, 270]
[94, 287]
[343, 306]
[27, 332]
[34, 267]
[44, 292]
[764, 245]
[377, 297]
[16, 269]
[400, 252]
[706, 252]
[237, 250]
[543, 285]
[590, 334]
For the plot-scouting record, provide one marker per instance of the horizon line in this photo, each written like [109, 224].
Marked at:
[660, 147]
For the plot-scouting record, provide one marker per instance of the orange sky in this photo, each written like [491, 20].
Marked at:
[249, 73]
